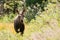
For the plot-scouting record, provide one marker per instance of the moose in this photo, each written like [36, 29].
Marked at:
[18, 22]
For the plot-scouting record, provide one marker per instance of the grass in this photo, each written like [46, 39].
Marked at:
[46, 26]
[35, 30]
[43, 28]
[7, 26]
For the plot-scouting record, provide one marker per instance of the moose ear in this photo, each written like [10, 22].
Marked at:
[24, 10]
[17, 11]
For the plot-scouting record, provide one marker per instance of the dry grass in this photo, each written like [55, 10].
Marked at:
[48, 31]
[7, 26]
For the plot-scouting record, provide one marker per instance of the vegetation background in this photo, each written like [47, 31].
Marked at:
[42, 19]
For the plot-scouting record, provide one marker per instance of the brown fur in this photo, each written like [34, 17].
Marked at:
[18, 22]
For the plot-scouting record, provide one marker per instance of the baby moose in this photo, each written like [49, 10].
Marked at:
[18, 22]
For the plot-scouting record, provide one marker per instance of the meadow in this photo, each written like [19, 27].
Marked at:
[45, 26]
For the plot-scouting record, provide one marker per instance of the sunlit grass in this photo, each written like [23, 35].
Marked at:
[7, 26]
[46, 26]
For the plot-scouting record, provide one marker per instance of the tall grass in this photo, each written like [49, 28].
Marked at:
[46, 26]
[8, 18]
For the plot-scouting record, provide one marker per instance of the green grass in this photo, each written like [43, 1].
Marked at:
[46, 26]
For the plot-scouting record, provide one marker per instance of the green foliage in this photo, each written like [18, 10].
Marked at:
[30, 2]
[46, 22]
[7, 18]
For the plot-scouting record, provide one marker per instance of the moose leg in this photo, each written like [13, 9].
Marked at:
[22, 28]
[16, 27]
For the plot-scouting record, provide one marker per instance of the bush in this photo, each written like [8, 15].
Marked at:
[7, 18]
